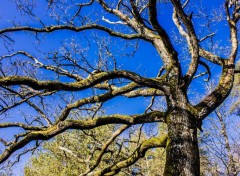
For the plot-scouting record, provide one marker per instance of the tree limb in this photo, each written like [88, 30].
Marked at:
[62, 126]
[154, 142]
[72, 28]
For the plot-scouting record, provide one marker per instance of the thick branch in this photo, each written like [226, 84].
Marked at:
[83, 84]
[164, 45]
[133, 23]
[211, 57]
[136, 13]
[137, 154]
[213, 100]
[72, 28]
[191, 37]
[60, 127]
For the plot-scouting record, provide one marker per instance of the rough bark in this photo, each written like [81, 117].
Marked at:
[182, 145]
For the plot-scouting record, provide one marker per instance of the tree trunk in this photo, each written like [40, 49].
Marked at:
[182, 147]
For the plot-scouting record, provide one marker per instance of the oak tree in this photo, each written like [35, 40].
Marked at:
[47, 90]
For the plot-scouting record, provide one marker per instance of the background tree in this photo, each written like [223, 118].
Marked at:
[221, 138]
[48, 86]
[64, 155]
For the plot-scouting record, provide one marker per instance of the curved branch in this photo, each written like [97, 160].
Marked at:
[72, 28]
[20, 125]
[213, 100]
[55, 69]
[155, 142]
[127, 91]
[104, 148]
[136, 13]
[211, 57]
[190, 36]
[145, 92]
[58, 70]
[225, 85]
[83, 84]
[95, 99]
[155, 116]
[207, 68]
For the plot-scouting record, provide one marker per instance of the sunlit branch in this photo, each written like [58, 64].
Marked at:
[72, 154]
[29, 102]
[207, 36]
[200, 74]
[219, 94]
[62, 126]
[207, 68]
[185, 3]
[144, 92]
[112, 22]
[211, 57]
[39, 64]
[155, 142]
[191, 37]
[104, 148]
[165, 47]
[135, 91]
[91, 81]
[20, 125]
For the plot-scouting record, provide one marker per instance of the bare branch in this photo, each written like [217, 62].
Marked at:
[72, 28]
[213, 100]
[104, 148]
[206, 37]
[81, 85]
[192, 39]
[207, 68]
[211, 57]
[137, 154]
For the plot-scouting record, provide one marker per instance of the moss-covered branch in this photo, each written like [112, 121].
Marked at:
[83, 84]
[59, 127]
[136, 155]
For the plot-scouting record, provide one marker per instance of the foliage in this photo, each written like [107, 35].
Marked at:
[73, 152]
